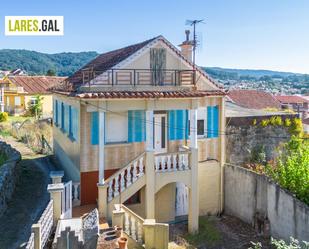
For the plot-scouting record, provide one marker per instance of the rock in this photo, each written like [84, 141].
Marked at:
[90, 225]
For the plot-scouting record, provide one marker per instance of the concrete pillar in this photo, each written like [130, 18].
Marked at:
[150, 233]
[193, 215]
[149, 131]
[102, 200]
[56, 191]
[193, 128]
[150, 185]
[118, 218]
[56, 176]
[101, 146]
[222, 152]
[36, 230]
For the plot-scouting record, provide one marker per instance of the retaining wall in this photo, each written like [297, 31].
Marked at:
[8, 175]
[247, 193]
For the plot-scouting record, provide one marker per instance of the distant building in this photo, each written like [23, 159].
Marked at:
[253, 99]
[18, 92]
[298, 103]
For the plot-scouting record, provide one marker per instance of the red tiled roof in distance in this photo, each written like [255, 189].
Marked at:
[253, 99]
[36, 84]
[291, 99]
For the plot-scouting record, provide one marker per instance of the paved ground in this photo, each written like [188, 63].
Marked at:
[224, 232]
[29, 200]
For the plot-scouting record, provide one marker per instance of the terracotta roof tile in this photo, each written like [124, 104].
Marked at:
[290, 99]
[36, 84]
[253, 99]
[143, 94]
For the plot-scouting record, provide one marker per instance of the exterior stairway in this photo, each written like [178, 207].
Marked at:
[169, 167]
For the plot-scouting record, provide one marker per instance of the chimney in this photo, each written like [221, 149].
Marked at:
[187, 47]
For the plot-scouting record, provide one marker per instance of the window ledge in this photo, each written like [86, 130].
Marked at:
[116, 144]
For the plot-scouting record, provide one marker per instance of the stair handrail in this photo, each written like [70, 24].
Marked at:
[173, 153]
[123, 168]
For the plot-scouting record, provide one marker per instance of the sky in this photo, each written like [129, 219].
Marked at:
[254, 34]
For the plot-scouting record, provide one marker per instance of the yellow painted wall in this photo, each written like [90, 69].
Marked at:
[165, 203]
[209, 182]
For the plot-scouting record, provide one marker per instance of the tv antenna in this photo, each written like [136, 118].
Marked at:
[194, 42]
[194, 23]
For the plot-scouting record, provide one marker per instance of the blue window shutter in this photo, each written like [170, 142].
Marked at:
[70, 122]
[216, 121]
[94, 128]
[66, 118]
[209, 121]
[130, 127]
[187, 127]
[56, 112]
[171, 125]
[136, 126]
[62, 116]
[75, 123]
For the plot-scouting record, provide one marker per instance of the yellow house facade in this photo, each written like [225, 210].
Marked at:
[143, 127]
[20, 91]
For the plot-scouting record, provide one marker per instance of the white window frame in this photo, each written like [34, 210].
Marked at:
[19, 100]
[116, 127]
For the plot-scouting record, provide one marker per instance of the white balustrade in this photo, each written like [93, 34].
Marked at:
[122, 179]
[133, 228]
[141, 166]
[127, 223]
[172, 162]
[139, 232]
[135, 171]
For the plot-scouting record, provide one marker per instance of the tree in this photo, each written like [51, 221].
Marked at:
[51, 72]
[35, 106]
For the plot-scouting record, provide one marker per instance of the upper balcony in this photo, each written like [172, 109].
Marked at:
[137, 77]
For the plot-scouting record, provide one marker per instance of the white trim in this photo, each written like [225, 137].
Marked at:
[101, 146]
[149, 131]
[193, 128]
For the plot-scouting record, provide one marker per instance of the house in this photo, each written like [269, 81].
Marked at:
[144, 127]
[253, 99]
[297, 103]
[18, 92]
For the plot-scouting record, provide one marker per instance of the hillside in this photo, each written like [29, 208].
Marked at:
[35, 63]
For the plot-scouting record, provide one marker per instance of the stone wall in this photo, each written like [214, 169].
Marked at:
[244, 138]
[248, 194]
[8, 175]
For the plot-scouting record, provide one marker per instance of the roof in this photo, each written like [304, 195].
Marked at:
[110, 59]
[144, 94]
[290, 99]
[253, 99]
[233, 110]
[36, 84]
[107, 60]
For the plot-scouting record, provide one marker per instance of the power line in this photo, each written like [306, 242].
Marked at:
[224, 133]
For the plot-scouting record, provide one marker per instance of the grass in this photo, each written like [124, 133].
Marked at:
[208, 233]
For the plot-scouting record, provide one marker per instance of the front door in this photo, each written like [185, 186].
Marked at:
[160, 132]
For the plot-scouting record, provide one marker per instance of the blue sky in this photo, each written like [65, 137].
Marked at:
[259, 34]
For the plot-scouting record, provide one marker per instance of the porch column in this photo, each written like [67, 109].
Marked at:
[193, 214]
[149, 131]
[150, 173]
[101, 146]
[193, 128]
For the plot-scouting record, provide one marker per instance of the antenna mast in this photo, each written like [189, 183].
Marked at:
[194, 23]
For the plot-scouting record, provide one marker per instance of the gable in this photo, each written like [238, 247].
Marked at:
[174, 61]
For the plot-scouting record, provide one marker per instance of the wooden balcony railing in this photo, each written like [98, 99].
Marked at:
[138, 77]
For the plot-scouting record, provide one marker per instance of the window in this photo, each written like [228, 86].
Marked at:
[116, 127]
[200, 127]
[33, 101]
[17, 101]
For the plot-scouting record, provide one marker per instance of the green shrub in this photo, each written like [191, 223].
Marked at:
[287, 122]
[258, 155]
[4, 116]
[254, 122]
[265, 122]
[296, 127]
[291, 169]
